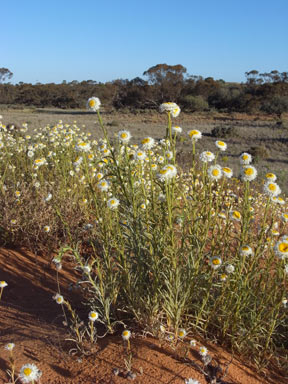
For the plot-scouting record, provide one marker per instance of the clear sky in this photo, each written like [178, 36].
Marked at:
[56, 40]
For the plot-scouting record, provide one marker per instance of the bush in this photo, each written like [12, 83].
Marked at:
[194, 103]
[224, 131]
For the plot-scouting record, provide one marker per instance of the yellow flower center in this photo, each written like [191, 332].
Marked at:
[27, 371]
[245, 157]
[216, 261]
[193, 133]
[93, 315]
[283, 247]
[221, 143]
[237, 214]
[249, 171]
[113, 202]
[215, 172]
[59, 299]
[245, 248]
[270, 175]
[125, 333]
[272, 187]
[124, 135]
[145, 141]
[227, 170]
[92, 103]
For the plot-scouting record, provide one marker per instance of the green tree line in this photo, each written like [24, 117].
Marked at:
[261, 93]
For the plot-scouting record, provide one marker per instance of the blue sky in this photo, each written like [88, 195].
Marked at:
[56, 40]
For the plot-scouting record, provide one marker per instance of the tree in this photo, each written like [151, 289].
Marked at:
[5, 74]
[168, 80]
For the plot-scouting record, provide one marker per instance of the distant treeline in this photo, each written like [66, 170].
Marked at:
[261, 93]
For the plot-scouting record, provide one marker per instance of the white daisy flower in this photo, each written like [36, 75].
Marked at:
[229, 268]
[182, 333]
[203, 351]
[215, 172]
[9, 346]
[271, 189]
[140, 155]
[215, 262]
[58, 298]
[248, 173]
[246, 250]
[82, 147]
[168, 107]
[176, 130]
[3, 284]
[227, 172]
[103, 185]
[126, 334]
[235, 215]
[148, 143]
[221, 145]
[29, 373]
[281, 249]
[46, 228]
[93, 104]
[245, 158]
[195, 135]
[124, 136]
[207, 156]
[191, 381]
[271, 177]
[113, 203]
[93, 316]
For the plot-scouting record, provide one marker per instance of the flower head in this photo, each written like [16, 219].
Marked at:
[191, 381]
[29, 373]
[248, 173]
[182, 333]
[203, 351]
[93, 316]
[245, 158]
[103, 185]
[168, 107]
[148, 143]
[58, 298]
[235, 215]
[113, 203]
[215, 172]
[215, 262]
[207, 156]
[227, 172]
[124, 136]
[221, 145]
[271, 177]
[176, 130]
[3, 284]
[281, 249]
[271, 189]
[246, 250]
[167, 172]
[195, 135]
[93, 104]
[126, 334]
[9, 346]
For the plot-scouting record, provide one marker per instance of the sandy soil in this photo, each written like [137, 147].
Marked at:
[32, 320]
